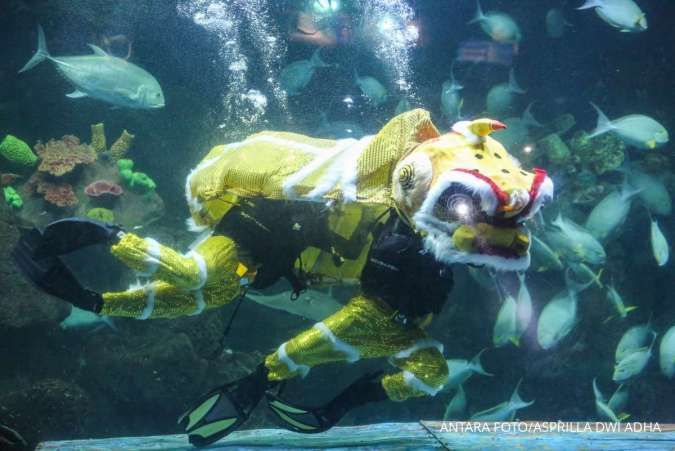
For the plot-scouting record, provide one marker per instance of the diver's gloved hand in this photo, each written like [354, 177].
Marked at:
[37, 257]
[10, 439]
[364, 390]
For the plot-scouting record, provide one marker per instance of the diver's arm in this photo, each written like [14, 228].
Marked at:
[207, 262]
[209, 276]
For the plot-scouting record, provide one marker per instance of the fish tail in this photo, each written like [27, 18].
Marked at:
[592, 4]
[604, 124]
[41, 54]
[479, 14]
[513, 84]
[529, 118]
[477, 366]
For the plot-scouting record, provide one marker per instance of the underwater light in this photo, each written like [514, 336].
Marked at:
[528, 148]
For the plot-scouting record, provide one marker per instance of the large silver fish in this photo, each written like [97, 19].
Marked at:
[625, 15]
[102, 76]
[637, 130]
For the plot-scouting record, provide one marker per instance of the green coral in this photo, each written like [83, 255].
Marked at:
[135, 180]
[12, 198]
[101, 214]
[17, 152]
[602, 153]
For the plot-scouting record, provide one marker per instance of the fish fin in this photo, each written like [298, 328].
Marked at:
[477, 366]
[604, 124]
[515, 341]
[97, 50]
[513, 84]
[623, 416]
[316, 59]
[625, 30]
[110, 323]
[41, 53]
[630, 308]
[651, 144]
[479, 14]
[529, 119]
[515, 397]
[608, 319]
[591, 4]
[596, 391]
[76, 94]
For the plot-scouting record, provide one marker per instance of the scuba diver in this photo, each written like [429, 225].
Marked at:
[391, 211]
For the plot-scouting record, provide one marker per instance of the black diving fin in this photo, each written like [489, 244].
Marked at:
[37, 257]
[308, 420]
[224, 409]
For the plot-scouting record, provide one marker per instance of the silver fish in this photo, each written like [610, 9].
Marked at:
[574, 242]
[451, 100]
[602, 407]
[83, 319]
[460, 370]
[372, 89]
[297, 75]
[505, 411]
[633, 339]
[543, 257]
[636, 130]
[653, 191]
[456, 408]
[104, 77]
[498, 25]
[659, 244]
[667, 353]
[610, 213]
[617, 301]
[625, 15]
[633, 364]
[500, 98]
[523, 306]
[559, 316]
[505, 330]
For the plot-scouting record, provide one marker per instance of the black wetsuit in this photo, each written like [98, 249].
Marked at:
[398, 271]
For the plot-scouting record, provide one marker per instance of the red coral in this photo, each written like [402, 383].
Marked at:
[103, 188]
[60, 157]
[58, 194]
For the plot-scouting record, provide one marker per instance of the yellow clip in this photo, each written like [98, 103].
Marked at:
[241, 270]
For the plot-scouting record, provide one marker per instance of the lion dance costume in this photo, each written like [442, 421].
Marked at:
[392, 211]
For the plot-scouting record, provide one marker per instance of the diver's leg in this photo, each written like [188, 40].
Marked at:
[364, 328]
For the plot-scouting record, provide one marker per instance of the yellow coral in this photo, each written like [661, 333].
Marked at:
[98, 141]
[120, 148]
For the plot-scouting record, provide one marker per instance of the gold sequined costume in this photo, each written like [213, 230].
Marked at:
[409, 168]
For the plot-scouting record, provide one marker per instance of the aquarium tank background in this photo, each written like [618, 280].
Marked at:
[117, 120]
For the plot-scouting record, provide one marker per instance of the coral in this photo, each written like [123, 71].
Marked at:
[554, 148]
[101, 214]
[98, 141]
[61, 157]
[137, 180]
[58, 194]
[17, 152]
[120, 147]
[103, 188]
[8, 178]
[12, 198]
[601, 154]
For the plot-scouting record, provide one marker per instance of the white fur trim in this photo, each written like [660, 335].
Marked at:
[290, 364]
[462, 127]
[153, 257]
[350, 169]
[334, 173]
[289, 184]
[201, 264]
[412, 381]
[192, 226]
[352, 354]
[193, 203]
[544, 194]
[281, 142]
[419, 344]
[201, 304]
[150, 292]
